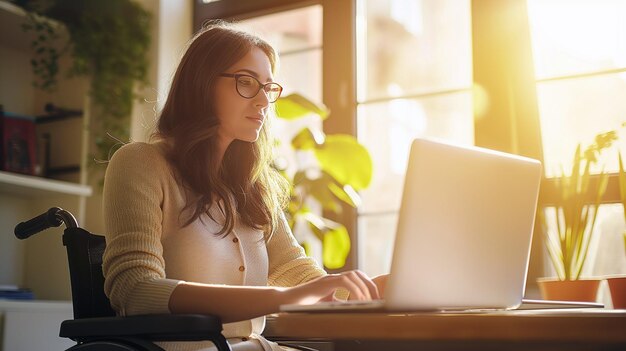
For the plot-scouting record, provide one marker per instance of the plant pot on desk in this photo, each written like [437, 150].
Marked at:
[569, 290]
[617, 285]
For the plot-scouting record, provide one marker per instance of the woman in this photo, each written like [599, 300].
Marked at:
[194, 219]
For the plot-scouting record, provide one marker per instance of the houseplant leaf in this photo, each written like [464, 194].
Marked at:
[346, 160]
[336, 246]
[334, 237]
[345, 193]
[327, 188]
[576, 209]
[307, 139]
[296, 106]
[319, 189]
[622, 183]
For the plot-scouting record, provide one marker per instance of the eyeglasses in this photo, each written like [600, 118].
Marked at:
[248, 87]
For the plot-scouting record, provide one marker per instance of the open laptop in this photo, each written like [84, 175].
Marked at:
[464, 232]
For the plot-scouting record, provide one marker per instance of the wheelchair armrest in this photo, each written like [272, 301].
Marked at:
[157, 327]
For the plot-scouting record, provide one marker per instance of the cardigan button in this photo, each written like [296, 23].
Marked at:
[242, 268]
[235, 240]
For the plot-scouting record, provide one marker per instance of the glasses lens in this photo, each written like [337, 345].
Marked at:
[273, 91]
[247, 86]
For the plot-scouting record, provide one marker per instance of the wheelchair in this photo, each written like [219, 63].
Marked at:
[95, 326]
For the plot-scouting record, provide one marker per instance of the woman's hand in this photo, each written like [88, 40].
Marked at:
[357, 283]
[381, 284]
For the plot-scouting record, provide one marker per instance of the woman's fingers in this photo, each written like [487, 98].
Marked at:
[371, 286]
[348, 281]
[381, 284]
[367, 289]
[359, 285]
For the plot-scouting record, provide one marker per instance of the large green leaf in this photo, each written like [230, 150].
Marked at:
[296, 106]
[307, 248]
[299, 177]
[307, 139]
[316, 224]
[334, 237]
[319, 189]
[346, 160]
[336, 246]
[345, 193]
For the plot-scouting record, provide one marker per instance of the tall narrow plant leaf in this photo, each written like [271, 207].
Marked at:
[602, 185]
[576, 209]
[622, 183]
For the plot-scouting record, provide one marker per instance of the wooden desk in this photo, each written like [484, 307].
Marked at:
[588, 329]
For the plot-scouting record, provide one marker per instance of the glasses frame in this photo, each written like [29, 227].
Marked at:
[262, 86]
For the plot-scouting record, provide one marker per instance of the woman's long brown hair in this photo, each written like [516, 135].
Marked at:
[244, 185]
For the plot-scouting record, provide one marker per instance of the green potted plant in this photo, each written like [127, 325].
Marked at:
[617, 284]
[108, 42]
[344, 166]
[575, 212]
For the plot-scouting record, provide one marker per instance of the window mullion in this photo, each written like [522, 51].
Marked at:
[339, 91]
[508, 118]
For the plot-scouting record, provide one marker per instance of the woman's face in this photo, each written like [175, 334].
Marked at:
[241, 118]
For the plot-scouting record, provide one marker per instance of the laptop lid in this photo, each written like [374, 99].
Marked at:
[464, 229]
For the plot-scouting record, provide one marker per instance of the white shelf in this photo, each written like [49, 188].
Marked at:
[24, 185]
[34, 305]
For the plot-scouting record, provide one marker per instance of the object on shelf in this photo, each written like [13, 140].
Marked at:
[55, 113]
[50, 138]
[47, 170]
[11, 292]
[18, 150]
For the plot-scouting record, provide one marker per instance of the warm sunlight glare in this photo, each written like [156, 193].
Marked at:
[481, 101]
[577, 34]
[579, 49]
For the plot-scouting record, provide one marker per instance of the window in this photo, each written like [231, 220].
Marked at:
[579, 52]
[414, 78]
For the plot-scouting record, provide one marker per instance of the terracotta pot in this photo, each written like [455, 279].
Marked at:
[617, 285]
[569, 290]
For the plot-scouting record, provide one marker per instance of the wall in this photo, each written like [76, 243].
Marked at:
[171, 29]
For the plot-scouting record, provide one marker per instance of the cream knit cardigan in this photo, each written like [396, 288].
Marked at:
[149, 252]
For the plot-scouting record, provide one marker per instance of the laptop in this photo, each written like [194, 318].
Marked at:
[464, 232]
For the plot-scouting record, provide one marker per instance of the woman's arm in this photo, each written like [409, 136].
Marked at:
[235, 303]
[133, 264]
[288, 263]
